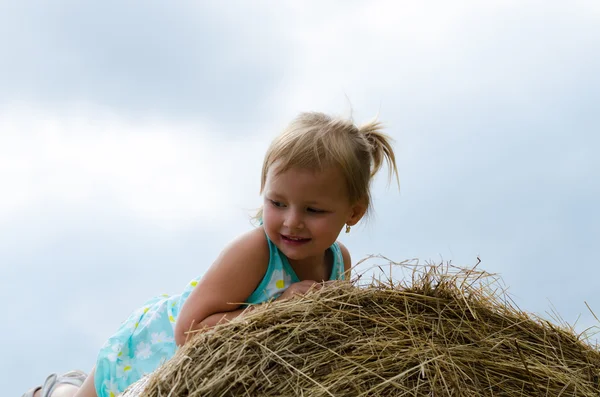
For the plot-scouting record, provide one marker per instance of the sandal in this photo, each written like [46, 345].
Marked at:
[74, 378]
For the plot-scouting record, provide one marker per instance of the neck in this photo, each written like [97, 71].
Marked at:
[314, 268]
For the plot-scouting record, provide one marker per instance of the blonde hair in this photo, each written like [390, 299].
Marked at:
[316, 141]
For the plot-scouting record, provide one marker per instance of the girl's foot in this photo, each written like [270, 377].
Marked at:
[65, 385]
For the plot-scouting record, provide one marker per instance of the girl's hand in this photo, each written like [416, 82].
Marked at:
[301, 288]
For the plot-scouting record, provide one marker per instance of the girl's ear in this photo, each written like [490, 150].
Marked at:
[358, 210]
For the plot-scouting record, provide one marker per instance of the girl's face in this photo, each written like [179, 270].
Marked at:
[305, 210]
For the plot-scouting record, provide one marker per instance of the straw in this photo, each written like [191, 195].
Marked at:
[448, 332]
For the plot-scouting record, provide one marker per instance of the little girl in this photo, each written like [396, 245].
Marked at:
[315, 181]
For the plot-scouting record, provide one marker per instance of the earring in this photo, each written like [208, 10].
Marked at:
[347, 228]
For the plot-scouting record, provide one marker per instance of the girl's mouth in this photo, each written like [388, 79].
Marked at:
[294, 240]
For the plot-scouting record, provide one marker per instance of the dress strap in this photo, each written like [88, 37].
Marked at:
[337, 269]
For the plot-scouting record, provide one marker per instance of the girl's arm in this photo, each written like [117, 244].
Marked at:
[219, 318]
[230, 281]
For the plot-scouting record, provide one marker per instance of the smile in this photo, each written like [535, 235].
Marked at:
[294, 239]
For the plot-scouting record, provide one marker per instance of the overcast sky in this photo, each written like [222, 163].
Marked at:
[132, 136]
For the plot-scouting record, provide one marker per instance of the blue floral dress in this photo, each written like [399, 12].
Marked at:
[147, 338]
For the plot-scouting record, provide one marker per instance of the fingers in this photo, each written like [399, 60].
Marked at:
[308, 285]
[302, 287]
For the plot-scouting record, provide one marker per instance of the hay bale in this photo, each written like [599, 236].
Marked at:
[447, 333]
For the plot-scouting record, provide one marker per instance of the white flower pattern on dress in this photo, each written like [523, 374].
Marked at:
[149, 317]
[160, 337]
[111, 388]
[143, 350]
[123, 368]
[278, 283]
[115, 352]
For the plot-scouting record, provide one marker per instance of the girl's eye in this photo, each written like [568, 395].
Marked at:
[276, 203]
[315, 211]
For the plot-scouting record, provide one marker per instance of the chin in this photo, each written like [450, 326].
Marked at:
[295, 254]
[292, 254]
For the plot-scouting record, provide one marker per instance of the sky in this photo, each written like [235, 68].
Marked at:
[132, 136]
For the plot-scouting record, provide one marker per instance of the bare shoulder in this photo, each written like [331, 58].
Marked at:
[246, 256]
[252, 244]
[229, 281]
[346, 258]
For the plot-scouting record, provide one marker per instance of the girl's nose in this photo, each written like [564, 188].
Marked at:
[293, 221]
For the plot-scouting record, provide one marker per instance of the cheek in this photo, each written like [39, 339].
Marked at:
[322, 226]
[269, 216]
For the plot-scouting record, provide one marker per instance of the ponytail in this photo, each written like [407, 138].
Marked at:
[381, 148]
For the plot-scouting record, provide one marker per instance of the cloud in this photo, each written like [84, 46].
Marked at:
[182, 60]
[161, 171]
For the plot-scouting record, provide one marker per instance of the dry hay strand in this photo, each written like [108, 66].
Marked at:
[448, 332]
